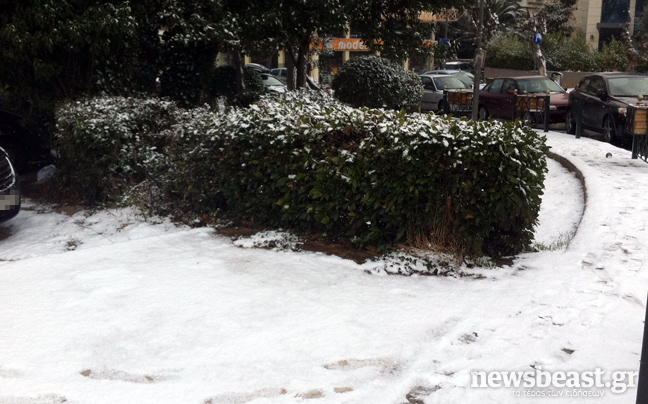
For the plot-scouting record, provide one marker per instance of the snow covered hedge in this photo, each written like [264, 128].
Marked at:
[310, 163]
[108, 144]
[375, 82]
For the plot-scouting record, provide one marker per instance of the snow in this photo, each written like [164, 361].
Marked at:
[114, 307]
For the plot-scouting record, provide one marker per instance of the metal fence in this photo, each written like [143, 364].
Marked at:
[636, 125]
[530, 106]
[457, 102]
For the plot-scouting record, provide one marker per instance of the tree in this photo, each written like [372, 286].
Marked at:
[499, 16]
[243, 27]
[189, 47]
[302, 21]
[52, 50]
[551, 17]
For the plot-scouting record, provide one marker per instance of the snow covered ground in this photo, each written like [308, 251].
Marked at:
[110, 307]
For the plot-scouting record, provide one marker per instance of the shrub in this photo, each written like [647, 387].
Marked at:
[223, 83]
[613, 56]
[108, 144]
[571, 54]
[509, 52]
[375, 82]
[306, 162]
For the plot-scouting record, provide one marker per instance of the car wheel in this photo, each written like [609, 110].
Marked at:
[440, 107]
[483, 113]
[609, 130]
[570, 123]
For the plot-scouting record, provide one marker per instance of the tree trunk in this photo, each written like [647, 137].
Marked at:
[302, 58]
[290, 69]
[539, 58]
[238, 66]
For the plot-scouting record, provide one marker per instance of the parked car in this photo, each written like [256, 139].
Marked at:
[282, 74]
[496, 98]
[9, 189]
[433, 85]
[605, 98]
[259, 68]
[23, 147]
[273, 84]
[463, 65]
[467, 78]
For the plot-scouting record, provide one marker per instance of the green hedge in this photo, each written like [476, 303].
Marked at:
[307, 162]
[375, 82]
[108, 144]
[561, 53]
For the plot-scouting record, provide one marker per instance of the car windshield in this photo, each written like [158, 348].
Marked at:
[449, 82]
[466, 78]
[271, 81]
[539, 86]
[628, 86]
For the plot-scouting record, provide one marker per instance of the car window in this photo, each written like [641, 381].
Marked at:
[543, 85]
[495, 86]
[628, 86]
[449, 82]
[596, 85]
[426, 81]
[270, 81]
[508, 85]
[466, 78]
[584, 84]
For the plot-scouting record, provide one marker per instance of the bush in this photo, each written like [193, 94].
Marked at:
[571, 54]
[306, 162]
[509, 52]
[223, 83]
[109, 144]
[375, 82]
[613, 56]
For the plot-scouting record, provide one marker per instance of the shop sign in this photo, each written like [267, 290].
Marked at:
[345, 44]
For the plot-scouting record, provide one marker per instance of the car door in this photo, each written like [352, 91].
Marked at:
[490, 96]
[599, 103]
[508, 97]
[429, 101]
[593, 104]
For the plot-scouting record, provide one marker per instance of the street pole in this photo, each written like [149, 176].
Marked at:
[642, 386]
[478, 61]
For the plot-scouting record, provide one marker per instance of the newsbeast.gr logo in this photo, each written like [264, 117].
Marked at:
[572, 383]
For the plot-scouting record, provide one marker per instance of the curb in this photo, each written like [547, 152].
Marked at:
[581, 178]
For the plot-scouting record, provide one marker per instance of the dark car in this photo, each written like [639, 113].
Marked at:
[22, 146]
[433, 85]
[605, 98]
[496, 99]
[9, 189]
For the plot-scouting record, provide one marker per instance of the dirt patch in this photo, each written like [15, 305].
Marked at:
[46, 193]
[314, 243]
[5, 232]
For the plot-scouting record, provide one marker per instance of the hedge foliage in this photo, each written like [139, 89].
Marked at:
[561, 53]
[223, 83]
[375, 82]
[307, 162]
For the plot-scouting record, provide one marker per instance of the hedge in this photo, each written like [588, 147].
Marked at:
[375, 82]
[307, 162]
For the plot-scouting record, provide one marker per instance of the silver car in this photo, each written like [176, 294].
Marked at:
[433, 85]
